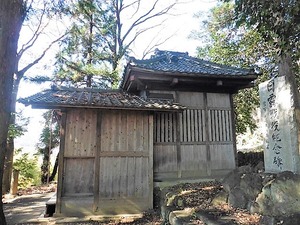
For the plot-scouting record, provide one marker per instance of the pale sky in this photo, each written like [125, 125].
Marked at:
[179, 26]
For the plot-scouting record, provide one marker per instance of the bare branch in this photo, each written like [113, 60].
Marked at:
[150, 47]
[147, 16]
[138, 33]
[38, 31]
[26, 68]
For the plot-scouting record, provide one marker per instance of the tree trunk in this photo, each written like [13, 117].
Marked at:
[54, 171]
[45, 166]
[11, 16]
[9, 158]
[285, 68]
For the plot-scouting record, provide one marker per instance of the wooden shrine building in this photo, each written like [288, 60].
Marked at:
[172, 118]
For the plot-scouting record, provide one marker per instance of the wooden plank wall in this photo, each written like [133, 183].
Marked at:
[206, 137]
[79, 155]
[108, 162]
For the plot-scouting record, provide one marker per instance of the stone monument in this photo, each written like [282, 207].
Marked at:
[281, 152]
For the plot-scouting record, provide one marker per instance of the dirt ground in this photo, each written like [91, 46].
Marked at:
[197, 196]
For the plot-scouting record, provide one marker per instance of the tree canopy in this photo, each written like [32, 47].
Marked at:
[241, 46]
[101, 34]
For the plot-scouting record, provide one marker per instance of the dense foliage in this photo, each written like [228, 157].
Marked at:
[100, 35]
[28, 169]
[49, 139]
[241, 46]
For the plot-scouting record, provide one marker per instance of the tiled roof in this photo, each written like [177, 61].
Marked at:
[179, 62]
[60, 97]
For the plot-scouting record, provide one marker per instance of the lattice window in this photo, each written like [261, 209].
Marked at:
[192, 125]
[219, 125]
[164, 127]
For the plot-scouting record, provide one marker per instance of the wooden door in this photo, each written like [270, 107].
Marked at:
[124, 176]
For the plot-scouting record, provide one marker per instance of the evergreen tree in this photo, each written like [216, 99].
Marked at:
[98, 40]
[241, 46]
[49, 139]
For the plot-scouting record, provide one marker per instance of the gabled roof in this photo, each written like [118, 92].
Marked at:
[62, 97]
[178, 70]
[179, 62]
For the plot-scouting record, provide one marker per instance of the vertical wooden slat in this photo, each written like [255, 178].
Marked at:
[227, 126]
[232, 124]
[131, 176]
[180, 123]
[188, 125]
[207, 132]
[178, 145]
[170, 115]
[217, 125]
[123, 178]
[196, 124]
[166, 128]
[158, 127]
[150, 165]
[192, 125]
[60, 187]
[124, 121]
[97, 162]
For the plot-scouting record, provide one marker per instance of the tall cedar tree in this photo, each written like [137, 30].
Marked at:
[38, 15]
[279, 23]
[98, 39]
[49, 139]
[12, 15]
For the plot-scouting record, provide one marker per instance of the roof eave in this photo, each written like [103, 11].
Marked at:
[196, 75]
[65, 106]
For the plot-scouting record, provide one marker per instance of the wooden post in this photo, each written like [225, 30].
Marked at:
[15, 180]
[150, 150]
[97, 162]
[61, 162]
[207, 141]
[178, 140]
[233, 124]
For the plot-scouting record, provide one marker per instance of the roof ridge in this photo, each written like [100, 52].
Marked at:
[88, 89]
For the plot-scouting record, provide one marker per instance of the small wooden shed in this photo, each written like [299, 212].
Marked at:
[171, 119]
[200, 141]
[106, 149]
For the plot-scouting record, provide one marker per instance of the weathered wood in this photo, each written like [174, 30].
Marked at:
[233, 133]
[149, 142]
[165, 158]
[97, 162]
[79, 176]
[193, 157]
[62, 146]
[125, 157]
[222, 157]
[81, 131]
[124, 154]
[218, 100]
[208, 134]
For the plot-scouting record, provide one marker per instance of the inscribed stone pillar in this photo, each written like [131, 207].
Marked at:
[281, 152]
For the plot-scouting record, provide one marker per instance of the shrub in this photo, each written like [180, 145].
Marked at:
[29, 171]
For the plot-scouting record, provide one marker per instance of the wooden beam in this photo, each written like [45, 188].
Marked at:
[124, 154]
[208, 156]
[150, 150]
[61, 162]
[233, 131]
[97, 162]
[178, 140]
